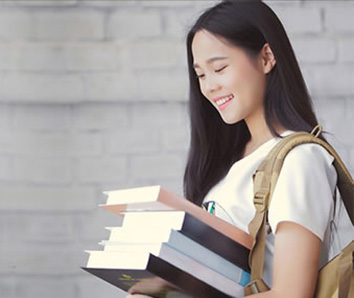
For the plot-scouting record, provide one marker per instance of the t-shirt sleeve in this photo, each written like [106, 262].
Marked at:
[305, 188]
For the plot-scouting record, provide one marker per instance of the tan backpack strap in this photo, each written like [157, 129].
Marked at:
[265, 180]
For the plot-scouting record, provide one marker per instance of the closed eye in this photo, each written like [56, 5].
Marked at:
[217, 70]
[220, 69]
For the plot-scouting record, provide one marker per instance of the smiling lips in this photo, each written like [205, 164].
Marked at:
[221, 101]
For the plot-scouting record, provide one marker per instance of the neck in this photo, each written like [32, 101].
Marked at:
[260, 133]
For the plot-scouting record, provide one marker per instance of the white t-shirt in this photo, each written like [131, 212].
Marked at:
[304, 194]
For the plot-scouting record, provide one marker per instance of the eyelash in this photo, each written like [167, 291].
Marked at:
[217, 70]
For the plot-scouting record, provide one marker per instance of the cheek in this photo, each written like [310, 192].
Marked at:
[253, 82]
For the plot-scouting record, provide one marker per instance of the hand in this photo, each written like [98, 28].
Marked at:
[154, 286]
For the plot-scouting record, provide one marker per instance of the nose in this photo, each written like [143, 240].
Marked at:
[211, 85]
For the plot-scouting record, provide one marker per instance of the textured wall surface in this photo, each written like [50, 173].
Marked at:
[93, 97]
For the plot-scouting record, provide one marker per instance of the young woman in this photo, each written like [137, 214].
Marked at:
[246, 92]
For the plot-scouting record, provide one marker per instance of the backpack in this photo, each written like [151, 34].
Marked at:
[336, 278]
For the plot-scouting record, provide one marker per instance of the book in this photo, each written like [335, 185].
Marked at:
[167, 244]
[177, 241]
[147, 282]
[193, 234]
[156, 198]
[160, 258]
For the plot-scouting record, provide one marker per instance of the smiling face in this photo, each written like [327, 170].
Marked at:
[228, 78]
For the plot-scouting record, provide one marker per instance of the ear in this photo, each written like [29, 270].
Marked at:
[268, 59]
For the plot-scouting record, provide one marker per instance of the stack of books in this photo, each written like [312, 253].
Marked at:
[168, 245]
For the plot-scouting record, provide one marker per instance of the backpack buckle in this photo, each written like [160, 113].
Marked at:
[260, 199]
[255, 286]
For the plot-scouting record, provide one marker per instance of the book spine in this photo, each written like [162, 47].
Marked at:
[215, 241]
[207, 257]
[187, 282]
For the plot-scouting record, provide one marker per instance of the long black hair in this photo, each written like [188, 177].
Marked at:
[215, 145]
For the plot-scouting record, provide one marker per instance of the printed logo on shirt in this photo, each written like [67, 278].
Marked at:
[209, 206]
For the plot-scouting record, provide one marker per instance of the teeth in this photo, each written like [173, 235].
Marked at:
[223, 100]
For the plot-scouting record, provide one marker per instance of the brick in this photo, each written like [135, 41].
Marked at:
[54, 260]
[332, 80]
[163, 86]
[182, 58]
[13, 229]
[10, 57]
[140, 24]
[109, 3]
[93, 116]
[85, 144]
[42, 118]
[166, 165]
[41, 88]
[91, 287]
[101, 169]
[91, 57]
[314, 50]
[121, 86]
[333, 109]
[49, 228]
[299, 19]
[44, 170]
[41, 228]
[152, 55]
[44, 287]
[203, 4]
[179, 22]
[69, 145]
[343, 131]
[157, 115]
[131, 141]
[54, 144]
[8, 286]
[346, 50]
[350, 107]
[174, 185]
[92, 226]
[15, 25]
[74, 25]
[59, 57]
[36, 3]
[7, 143]
[339, 19]
[5, 117]
[5, 168]
[48, 199]
[41, 57]
[166, 3]
[175, 139]
[335, 140]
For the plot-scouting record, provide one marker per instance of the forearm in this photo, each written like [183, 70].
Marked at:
[268, 294]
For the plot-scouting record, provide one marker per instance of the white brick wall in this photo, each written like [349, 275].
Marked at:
[63, 24]
[134, 25]
[93, 97]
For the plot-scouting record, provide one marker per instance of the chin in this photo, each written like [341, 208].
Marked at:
[230, 120]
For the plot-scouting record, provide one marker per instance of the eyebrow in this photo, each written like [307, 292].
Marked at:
[210, 60]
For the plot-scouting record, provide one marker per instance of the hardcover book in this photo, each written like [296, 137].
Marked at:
[168, 257]
[146, 227]
[167, 244]
[156, 198]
